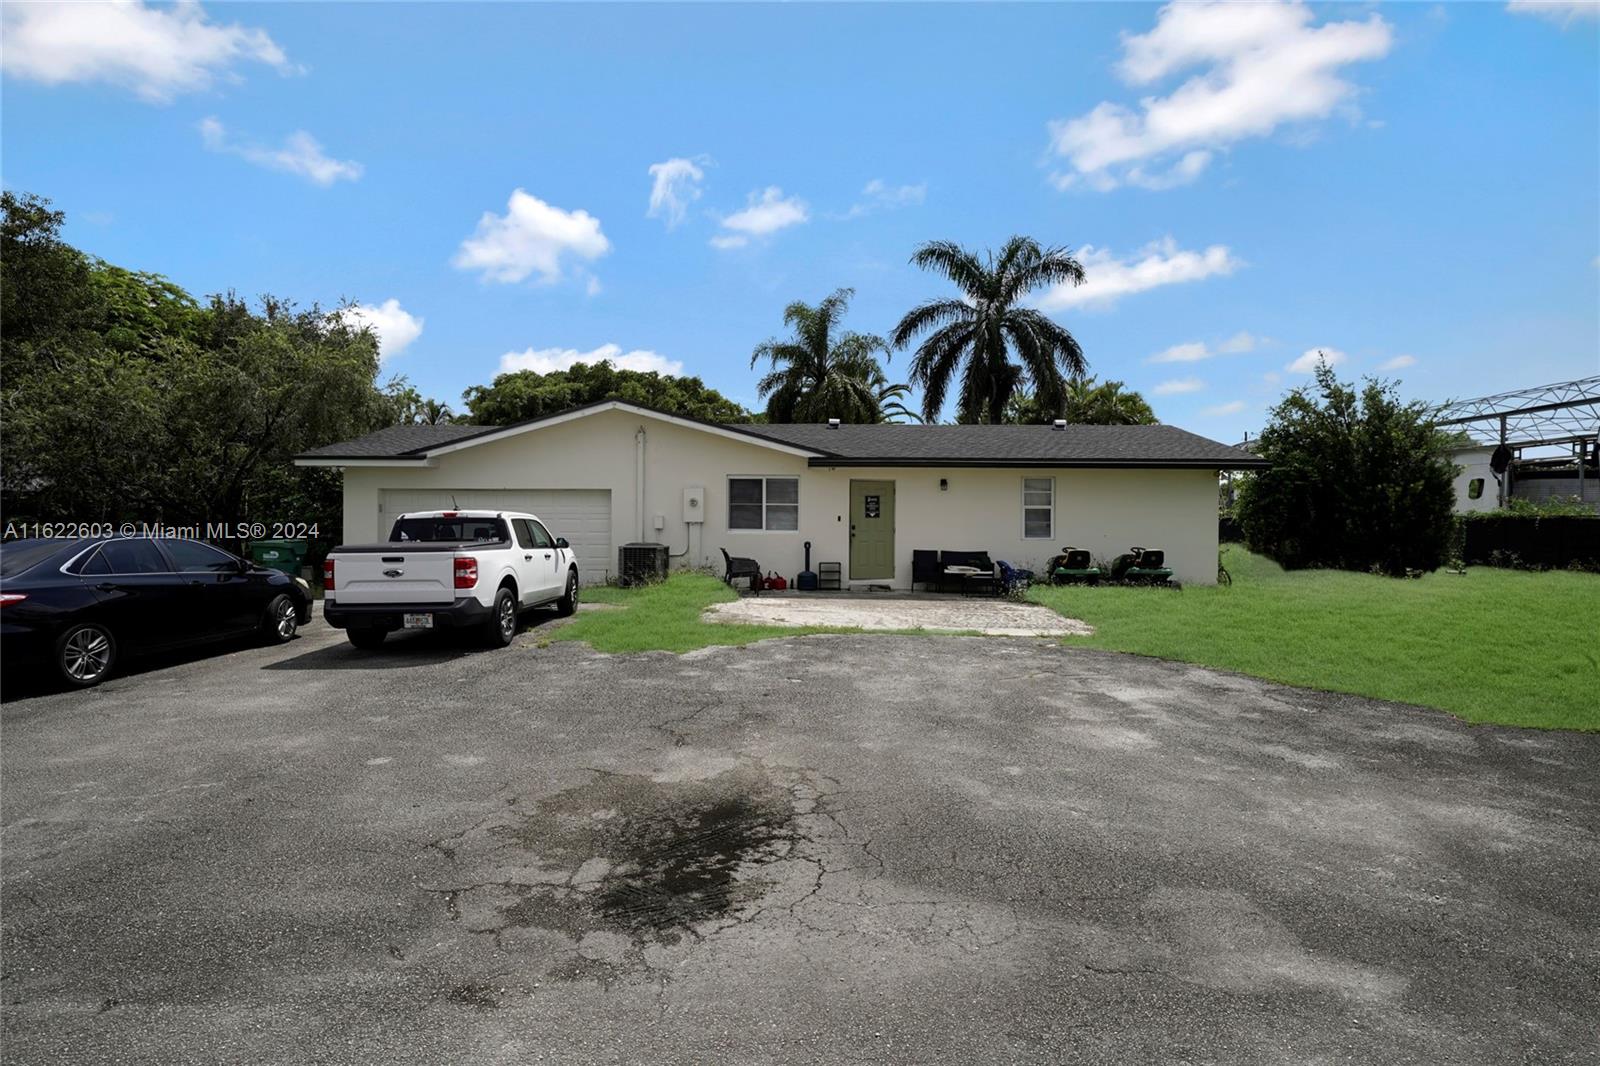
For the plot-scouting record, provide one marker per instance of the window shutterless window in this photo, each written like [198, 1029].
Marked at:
[769, 503]
[1038, 507]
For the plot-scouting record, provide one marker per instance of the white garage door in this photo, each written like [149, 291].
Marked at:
[583, 516]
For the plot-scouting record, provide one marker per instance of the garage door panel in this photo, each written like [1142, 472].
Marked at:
[583, 516]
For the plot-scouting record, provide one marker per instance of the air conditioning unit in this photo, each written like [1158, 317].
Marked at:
[640, 564]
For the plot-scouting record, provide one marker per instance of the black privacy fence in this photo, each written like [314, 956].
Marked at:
[1552, 541]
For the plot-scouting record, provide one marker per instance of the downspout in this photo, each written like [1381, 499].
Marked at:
[638, 480]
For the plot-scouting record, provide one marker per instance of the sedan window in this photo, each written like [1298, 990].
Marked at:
[190, 556]
[132, 557]
[22, 555]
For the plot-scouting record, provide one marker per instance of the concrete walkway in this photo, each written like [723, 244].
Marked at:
[998, 618]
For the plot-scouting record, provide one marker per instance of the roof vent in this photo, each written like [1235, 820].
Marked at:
[1060, 423]
[833, 423]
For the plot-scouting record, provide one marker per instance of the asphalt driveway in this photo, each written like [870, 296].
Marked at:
[826, 849]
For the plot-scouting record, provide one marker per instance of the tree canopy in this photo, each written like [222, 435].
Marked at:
[823, 372]
[126, 399]
[1358, 481]
[974, 337]
[524, 394]
[1087, 402]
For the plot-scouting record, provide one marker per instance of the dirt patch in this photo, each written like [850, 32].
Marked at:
[997, 618]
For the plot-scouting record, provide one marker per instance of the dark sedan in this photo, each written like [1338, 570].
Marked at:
[78, 606]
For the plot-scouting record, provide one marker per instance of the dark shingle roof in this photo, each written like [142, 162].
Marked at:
[892, 445]
[395, 442]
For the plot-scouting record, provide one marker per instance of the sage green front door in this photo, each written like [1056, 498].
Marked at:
[871, 530]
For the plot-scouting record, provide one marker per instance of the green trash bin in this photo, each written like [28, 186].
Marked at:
[286, 555]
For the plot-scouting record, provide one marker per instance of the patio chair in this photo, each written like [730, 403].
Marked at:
[738, 567]
[1011, 579]
[978, 561]
[925, 568]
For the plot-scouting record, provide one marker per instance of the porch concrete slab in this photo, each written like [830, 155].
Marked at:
[998, 618]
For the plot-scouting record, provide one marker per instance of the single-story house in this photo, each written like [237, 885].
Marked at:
[614, 473]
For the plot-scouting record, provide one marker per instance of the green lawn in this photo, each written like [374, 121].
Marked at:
[1503, 646]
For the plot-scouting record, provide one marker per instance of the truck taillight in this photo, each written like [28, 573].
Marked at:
[466, 571]
[327, 575]
[11, 597]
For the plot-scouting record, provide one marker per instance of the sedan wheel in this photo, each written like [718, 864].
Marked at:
[280, 621]
[85, 654]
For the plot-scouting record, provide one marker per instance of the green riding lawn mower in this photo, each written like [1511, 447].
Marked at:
[1145, 566]
[1073, 567]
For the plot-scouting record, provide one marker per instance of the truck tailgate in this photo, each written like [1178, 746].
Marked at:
[398, 576]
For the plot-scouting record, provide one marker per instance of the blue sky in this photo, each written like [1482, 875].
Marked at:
[1413, 187]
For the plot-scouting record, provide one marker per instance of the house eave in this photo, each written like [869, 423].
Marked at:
[1057, 464]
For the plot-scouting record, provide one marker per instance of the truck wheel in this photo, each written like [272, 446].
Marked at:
[501, 628]
[367, 637]
[568, 604]
[279, 622]
[85, 655]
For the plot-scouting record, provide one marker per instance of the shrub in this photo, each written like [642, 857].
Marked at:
[1357, 482]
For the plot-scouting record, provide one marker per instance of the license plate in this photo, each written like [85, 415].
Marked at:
[417, 621]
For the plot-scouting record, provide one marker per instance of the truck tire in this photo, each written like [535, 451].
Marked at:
[366, 637]
[567, 605]
[501, 628]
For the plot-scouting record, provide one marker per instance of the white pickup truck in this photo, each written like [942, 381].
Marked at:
[449, 569]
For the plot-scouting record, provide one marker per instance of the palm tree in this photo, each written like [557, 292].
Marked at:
[434, 413]
[977, 334]
[816, 375]
[1087, 403]
[891, 403]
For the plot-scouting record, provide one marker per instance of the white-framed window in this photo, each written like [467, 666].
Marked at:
[1039, 508]
[764, 503]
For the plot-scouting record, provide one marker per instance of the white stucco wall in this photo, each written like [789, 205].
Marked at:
[1474, 463]
[1105, 511]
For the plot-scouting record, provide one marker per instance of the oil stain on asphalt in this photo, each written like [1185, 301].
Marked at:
[626, 861]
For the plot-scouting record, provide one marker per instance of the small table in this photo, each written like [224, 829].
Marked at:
[972, 579]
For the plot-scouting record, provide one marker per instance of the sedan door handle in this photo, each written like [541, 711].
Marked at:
[106, 586]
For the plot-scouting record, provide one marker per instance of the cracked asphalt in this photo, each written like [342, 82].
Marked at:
[829, 849]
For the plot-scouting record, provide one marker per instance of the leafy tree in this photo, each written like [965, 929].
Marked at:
[124, 398]
[1357, 482]
[817, 375]
[1086, 403]
[976, 335]
[524, 394]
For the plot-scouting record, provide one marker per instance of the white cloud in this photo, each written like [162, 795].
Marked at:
[676, 185]
[549, 360]
[1399, 362]
[1107, 278]
[766, 213]
[878, 195]
[531, 237]
[1562, 12]
[1239, 343]
[300, 154]
[394, 326]
[1262, 65]
[1178, 386]
[1192, 352]
[1309, 359]
[156, 52]
[1232, 407]
[1195, 351]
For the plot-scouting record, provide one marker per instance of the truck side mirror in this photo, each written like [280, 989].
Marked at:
[561, 542]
